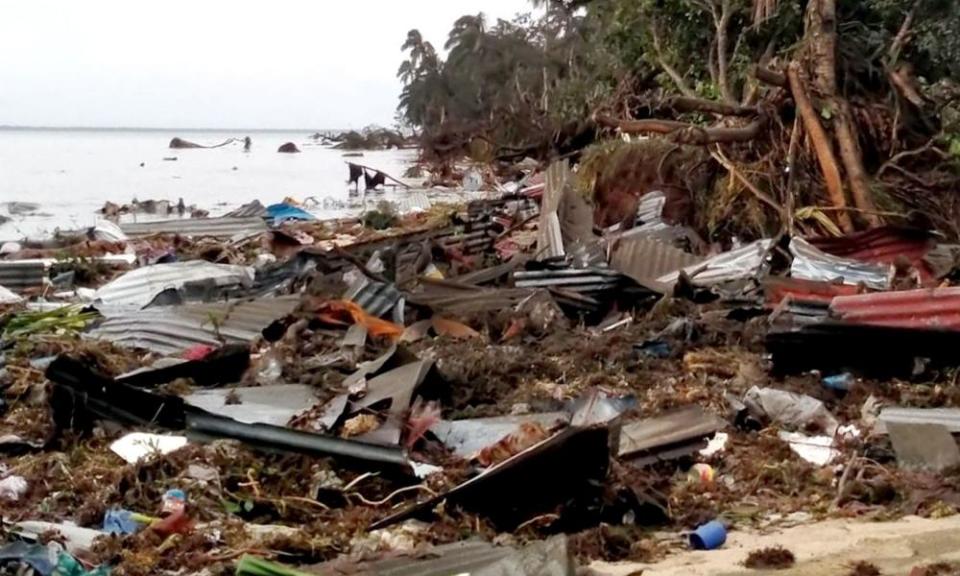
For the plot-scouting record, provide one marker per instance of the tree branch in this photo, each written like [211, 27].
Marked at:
[768, 76]
[822, 146]
[686, 104]
[685, 133]
[670, 70]
[903, 35]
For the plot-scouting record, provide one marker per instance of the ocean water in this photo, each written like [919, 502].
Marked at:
[70, 174]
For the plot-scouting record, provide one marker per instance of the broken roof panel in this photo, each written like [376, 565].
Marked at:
[274, 405]
[882, 245]
[377, 298]
[171, 330]
[139, 287]
[467, 437]
[777, 288]
[946, 417]
[811, 263]
[686, 424]
[923, 308]
[645, 260]
[21, 275]
[744, 262]
[226, 227]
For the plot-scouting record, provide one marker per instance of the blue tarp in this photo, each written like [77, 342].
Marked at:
[280, 212]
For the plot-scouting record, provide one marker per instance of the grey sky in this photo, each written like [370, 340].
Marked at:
[214, 63]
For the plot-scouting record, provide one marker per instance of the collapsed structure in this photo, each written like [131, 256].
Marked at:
[497, 387]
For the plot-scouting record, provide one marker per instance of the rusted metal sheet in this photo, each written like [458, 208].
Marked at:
[923, 308]
[171, 330]
[776, 289]
[227, 227]
[882, 245]
[645, 260]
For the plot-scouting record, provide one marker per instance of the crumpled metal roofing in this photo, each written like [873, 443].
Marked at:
[377, 298]
[923, 308]
[744, 262]
[139, 287]
[172, 329]
[882, 245]
[811, 263]
[226, 227]
[645, 260]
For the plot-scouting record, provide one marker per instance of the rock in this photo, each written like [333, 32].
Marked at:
[289, 148]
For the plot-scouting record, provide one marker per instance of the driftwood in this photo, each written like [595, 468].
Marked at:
[180, 143]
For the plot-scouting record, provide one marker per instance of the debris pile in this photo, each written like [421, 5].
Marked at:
[502, 386]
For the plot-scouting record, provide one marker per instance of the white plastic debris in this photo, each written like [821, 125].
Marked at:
[421, 470]
[12, 488]
[9, 297]
[138, 445]
[716, 444]
[817, 450]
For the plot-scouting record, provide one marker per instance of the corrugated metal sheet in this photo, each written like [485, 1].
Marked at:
[171, 330]
[577, 280]
[461, 558]
[650, 209]
[22, 275]
[549, 240]
[882, 245]
[412, 201]
[645, 260]
[924, 308]
[683, 425]
[776, 289]
[744, 262]
[251, 210]
[947, 417]
[377, 298]
[811, 263]
[139, 287]
[215, 227]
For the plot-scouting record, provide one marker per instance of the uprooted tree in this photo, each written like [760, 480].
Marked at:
[820, 115]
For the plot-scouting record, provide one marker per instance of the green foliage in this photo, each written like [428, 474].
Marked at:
[68, 319]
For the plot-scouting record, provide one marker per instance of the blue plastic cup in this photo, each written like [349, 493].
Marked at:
[708, 536]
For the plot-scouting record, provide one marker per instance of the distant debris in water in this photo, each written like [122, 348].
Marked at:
[353, 154]
[247, 143]
[168, 159]
[289, 148]
[180, 143]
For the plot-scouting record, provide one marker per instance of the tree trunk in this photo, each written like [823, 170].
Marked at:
[852, 159]
[822, 44]
[822, 146]
[723, 65]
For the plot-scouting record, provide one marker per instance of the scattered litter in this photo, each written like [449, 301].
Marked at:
[137, 446]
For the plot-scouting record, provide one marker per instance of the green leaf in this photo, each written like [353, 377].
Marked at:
[826, 113]
[248, 505]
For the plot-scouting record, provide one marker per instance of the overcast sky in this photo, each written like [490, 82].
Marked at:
[214, 63]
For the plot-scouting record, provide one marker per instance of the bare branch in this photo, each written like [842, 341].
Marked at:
[670, 70]
[683, 132]
[686, 104]
[771, 77]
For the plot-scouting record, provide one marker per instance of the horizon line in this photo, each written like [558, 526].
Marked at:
[171, 129]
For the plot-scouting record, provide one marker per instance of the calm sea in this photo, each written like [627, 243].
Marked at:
[69, 174]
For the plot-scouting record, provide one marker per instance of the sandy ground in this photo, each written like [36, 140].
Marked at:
[824, 548]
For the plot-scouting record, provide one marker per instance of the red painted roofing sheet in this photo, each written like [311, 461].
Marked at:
[777, 288]
[924, 308]
[882, 245]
